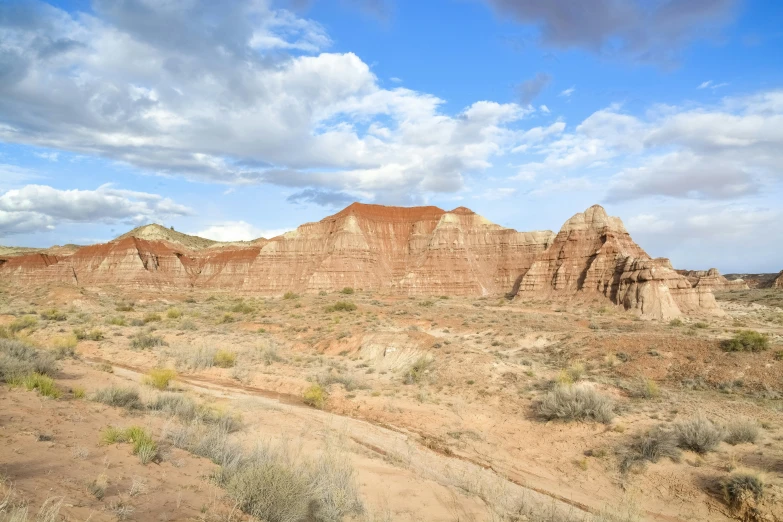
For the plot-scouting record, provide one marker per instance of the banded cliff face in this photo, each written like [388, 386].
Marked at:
[420, 250]
[712, 279]
[594, 254]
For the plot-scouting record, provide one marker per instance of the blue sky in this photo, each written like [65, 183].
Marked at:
[246, 119]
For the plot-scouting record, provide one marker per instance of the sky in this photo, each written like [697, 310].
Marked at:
[236, 120]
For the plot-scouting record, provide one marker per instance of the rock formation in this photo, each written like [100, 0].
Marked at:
[420, 250]
[778, 283]
[594, 254]
[411, 251]
[712, 279]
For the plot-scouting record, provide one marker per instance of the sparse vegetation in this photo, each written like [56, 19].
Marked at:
[151, 317]
[144, 446]
[415, 374]
[698, 434]
[741, 431]
[18, 360]
[173, 313]
[654, 445]
[315, 396]
[740, 485]
[347, 290]
[571, 374]
[341, 306]
[290, 295]
[22, 323]
[160, 378]
[746, 341]
[120, 397]
[43, 384]
[224, 359]
[124, 307]
[242, 308]
[645, 388]
[144, 341]
[53, 315]
[117, 321]
[576, 402]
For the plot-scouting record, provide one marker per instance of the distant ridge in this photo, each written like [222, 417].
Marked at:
[155, 232]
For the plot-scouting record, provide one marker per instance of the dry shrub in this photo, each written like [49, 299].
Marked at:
[119, 397]
[270, 491]
[746, 341]
[341, 306]
[740, 431]
[160, 378]
[144, 341]
[173, 313]
[654, 445]
[24, 322]
[741, 487]
[18, 360]
[315, 396]
[224, 359]
[576, 402]
[645, 388]
[698, 434]
[417, 371]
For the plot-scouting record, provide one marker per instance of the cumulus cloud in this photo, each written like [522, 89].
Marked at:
[567, 92]
[646, 31]
[726, 151]
[328, 198]
[236, 93]
[238, 231]
[531, 88]
[38, 207]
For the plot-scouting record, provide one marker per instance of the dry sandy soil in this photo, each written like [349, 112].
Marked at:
[433, 403]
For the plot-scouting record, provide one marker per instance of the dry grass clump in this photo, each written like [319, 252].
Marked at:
[117, 321]
[159, 378]
[92, 335]
[22, 323]
[740, 431]
[576, 402]
[654, 445]
[53, 315]
[124, 307]
[151, 317]
[144, 341]
[746, 341]
[341, 306]
[417, 371]
[173, 313]
[224, 359]
[13, 511]
[270, 490]
[315, 395]
[645, 388]
[18, 360]
[739, 487]
[290, 295]
[190, 358]
[572, 374]
[65, 345]
[119, 397]
[698, 434]
[43, 384]
[347, 290]
[242, 308]
[143, 445]
[185, 409]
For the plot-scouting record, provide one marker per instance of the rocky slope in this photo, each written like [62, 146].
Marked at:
[757, 280]
[713, 280]
[411, 251]
[420, 250]
[778, 283]
[593, 254]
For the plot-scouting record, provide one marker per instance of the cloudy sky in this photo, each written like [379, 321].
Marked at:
[242, 119]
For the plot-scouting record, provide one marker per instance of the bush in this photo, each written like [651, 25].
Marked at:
[42, 383]
[341, 306]
[270, 491]
[571, 374]
[26, 321]
[224, 359]
[739, 485]
[124, 307]
[18, 360]
[143, 445]
[347, 290]
[290, 295]
[676, 322]
[332, 483]
[53, 315]
[654, 445]
[576, 402]
[242, 308]
[117, 321]
[698, 434]
[120, 397]
[142, 341]
[64, 346]
[173, 313]
[645, 388]
[415, 374]
[160, 378]
[93, 335]
[151, 317]
[78, 392]
[227, 318]
[746, 341]
[315, 396]
[741, 430]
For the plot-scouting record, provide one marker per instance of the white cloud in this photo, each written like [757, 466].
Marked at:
[704, 85]
[544, 109]
[568, 92]
[498, 193]
[50, 156]
[726, 151]
[710, 85]
[36, 207]
[238, 231]
[207, 92]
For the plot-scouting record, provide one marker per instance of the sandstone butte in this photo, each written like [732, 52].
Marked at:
[778, 283]
[396, 250]
[712, 279]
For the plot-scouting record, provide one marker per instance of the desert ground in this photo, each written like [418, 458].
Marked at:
[351, 405]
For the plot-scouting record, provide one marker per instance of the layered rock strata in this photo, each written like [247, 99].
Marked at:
[594, 254]
[712, 279]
